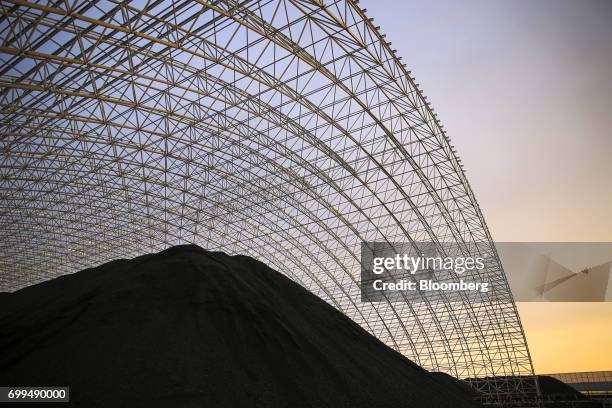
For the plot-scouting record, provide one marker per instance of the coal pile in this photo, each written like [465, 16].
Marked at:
[192, 328]
[452, 382]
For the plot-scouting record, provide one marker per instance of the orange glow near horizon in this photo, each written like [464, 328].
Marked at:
[525, 95]
[568, 337]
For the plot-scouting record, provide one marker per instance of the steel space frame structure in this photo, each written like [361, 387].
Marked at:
[288, 130]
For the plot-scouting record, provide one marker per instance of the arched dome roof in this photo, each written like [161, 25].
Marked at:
[286, 130]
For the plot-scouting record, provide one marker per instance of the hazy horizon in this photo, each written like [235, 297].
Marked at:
[524, 92]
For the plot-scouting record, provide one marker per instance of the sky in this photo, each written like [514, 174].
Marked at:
[524, 91]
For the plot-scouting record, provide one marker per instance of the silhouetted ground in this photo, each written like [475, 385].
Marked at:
[553, 392]
[191, 328]
[450, 381]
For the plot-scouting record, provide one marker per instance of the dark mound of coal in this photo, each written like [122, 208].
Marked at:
[550, 385]
[191, 328]
[460, 385]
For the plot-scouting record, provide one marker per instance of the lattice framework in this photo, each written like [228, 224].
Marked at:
[288, 130]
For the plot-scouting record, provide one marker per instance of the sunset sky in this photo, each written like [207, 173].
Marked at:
[524, 90]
